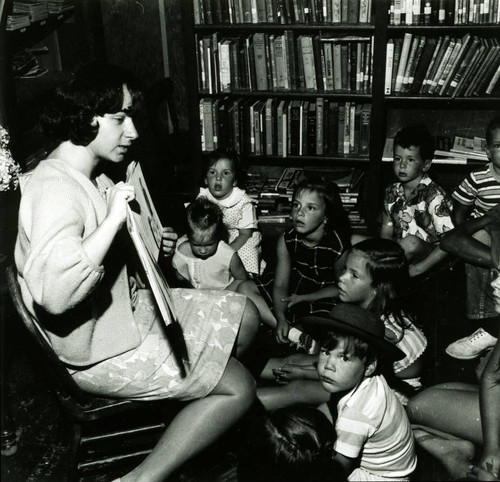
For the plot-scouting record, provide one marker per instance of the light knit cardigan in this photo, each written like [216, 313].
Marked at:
[85, 315]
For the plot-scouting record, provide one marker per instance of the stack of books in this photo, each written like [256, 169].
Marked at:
[444, 12]
[285, 127]
[463, 150]
[60, 6]
[282, 11]
[445, 66]
[17, 21]
[37, 11]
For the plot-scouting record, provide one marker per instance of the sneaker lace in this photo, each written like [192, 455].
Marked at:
[476, 336]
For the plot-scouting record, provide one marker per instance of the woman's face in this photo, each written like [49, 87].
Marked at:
[355, 283]
[116, 132]
[221, 179]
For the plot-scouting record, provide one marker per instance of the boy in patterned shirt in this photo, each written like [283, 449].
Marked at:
[417, 211]
[478, 193]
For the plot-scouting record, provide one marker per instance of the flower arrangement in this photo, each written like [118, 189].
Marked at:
[9, 169]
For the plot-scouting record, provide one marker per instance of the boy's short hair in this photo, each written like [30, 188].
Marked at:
[493, 125]
[416, 135]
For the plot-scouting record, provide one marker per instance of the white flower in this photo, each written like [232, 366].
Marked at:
[9, 169]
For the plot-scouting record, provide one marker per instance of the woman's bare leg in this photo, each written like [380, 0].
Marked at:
[198, 425]
[452, 408]
[307, 392]
[250, 290]
[250, 323]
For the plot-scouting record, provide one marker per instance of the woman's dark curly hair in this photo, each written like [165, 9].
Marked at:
[204, 214]
[94, 90]
[336, 216]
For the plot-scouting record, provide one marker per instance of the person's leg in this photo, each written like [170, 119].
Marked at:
[452, 408]
[250, 290]
[248, 329]
[198, 425]
[309, 392]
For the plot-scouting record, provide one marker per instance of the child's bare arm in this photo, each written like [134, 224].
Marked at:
[280, 289]
[331, 291]
[346, 463]
[387, 228]
[237, 269]
[243, 236]
[435, 257]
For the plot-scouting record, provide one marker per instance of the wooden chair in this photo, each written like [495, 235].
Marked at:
[104, 431]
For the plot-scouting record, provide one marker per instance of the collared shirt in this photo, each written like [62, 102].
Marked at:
[425, 214]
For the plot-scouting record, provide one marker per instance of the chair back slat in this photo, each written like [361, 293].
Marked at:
[65, 384]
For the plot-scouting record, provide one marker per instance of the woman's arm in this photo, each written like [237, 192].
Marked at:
[280, 289]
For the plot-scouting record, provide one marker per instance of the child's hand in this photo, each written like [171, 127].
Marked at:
[281, 331]
[168, 241]
[292, 300]
[117, 199]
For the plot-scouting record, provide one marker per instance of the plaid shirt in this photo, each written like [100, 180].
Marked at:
[425, 214]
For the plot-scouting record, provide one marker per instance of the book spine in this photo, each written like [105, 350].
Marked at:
[364, 134]
[269, 116]
[320, 104]
[411, 57]
[337, 67]
[306, 45]
[259, 50]
[405, 49]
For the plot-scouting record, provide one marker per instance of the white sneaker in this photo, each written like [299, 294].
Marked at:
[471, 346]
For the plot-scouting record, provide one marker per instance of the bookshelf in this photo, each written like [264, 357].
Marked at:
[35, 58]
[221, 82]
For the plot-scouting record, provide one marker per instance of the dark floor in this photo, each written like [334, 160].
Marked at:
[43, 438]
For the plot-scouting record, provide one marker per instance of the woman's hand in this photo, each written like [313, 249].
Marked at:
[293, 300]
[117, 199]
[281, 331]
[168, 241]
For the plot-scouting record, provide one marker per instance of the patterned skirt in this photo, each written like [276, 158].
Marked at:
[210, 322]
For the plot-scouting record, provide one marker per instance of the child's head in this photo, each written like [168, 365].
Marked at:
[205, 227]
[493, 141]
[290, 444]
[376, 273]
[96, 90]
[413, 152]
[316, 204]
[352, 343]
[222, 173]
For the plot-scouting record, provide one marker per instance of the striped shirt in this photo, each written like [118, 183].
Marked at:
[373, 424]
[481, 189]
[412, 341]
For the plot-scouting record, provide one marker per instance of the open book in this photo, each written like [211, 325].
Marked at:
[145, 229]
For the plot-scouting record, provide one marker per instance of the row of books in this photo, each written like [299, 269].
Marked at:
[273, 127]
[207, 12]
[462, 150]
[444, 12]
[442, 66]
[26, 12]
[274, 62]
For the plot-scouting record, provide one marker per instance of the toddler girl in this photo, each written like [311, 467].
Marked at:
[221, 179]
[202, 257]
[375, 278]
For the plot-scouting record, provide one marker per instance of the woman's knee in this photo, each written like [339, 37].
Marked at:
[236, 381]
